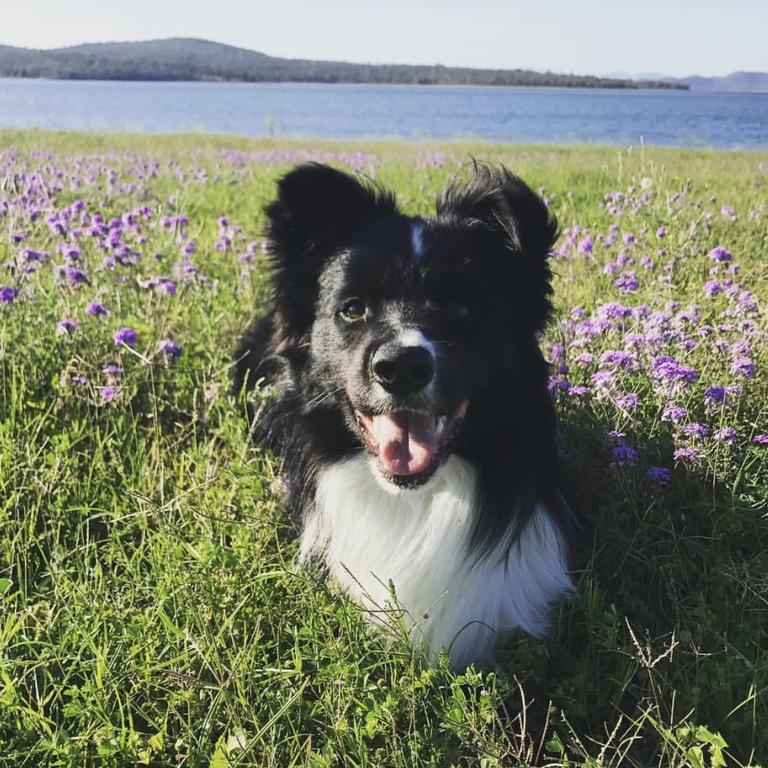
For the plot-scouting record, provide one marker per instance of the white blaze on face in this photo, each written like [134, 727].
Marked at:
[413, 337]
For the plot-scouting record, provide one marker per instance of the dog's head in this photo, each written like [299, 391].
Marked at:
[418, 329]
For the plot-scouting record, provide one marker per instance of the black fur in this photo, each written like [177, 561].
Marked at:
[480, 291]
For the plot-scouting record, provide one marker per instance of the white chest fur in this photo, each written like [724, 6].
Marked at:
[371, 534]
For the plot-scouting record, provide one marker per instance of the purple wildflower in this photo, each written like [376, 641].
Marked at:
[33, 256]
[726, 435]
[70, 252]
[602, 381]
[627, 281]
[586, 245]
[7, 294]
[696, 430]
[628, 402]
[716, 395]
[683, 454]
[660, 475]
[623, 455]
[747, 302]
[112, 370]
[170, 349]
[674, 413]
[612, 310]
[719, 254]
[160, 284]
[557, 353]
[97, 309]
[578, 313]
[712, 288]
[67, 325]
[743, 366]
[76, 276]
[760, 439]
[127, 336]
[617, 358]
[665, 367]
[108, 394]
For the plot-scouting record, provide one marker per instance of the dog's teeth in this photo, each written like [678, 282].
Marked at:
[441, 423]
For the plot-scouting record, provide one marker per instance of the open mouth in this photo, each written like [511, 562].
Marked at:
[409, 444]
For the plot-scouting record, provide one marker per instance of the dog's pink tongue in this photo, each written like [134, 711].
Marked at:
[407, 441]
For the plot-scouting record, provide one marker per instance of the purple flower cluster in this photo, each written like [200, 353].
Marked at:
[125, 337]
[655, 366]
[170, 349]
[660, 475]
[96, 309]
[8, 294]
[685, 367]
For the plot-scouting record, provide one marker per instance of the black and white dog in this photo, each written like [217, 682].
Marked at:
[409, 401]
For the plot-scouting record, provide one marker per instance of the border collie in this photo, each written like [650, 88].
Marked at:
[400, 380]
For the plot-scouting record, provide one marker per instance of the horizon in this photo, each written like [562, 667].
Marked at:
[649, 76]
[679, 41]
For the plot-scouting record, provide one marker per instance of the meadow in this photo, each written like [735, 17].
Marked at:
[151, 612]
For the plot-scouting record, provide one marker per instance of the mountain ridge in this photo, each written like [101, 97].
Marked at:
[735, 82]
[739, 81]
[182, 58]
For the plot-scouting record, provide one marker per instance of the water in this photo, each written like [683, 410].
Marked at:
[675, 118]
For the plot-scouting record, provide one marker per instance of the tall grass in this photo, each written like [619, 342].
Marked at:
[150, 608]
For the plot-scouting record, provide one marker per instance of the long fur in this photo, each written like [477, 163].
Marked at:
[404, 553]
[479, 543]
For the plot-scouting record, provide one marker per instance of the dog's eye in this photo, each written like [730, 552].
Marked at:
[353, 310]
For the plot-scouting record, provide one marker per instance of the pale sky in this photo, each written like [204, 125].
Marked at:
[674, 37]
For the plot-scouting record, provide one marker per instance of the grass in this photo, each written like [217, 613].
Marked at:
[150, 608]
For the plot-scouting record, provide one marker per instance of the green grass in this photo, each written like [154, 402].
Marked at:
[150, 608]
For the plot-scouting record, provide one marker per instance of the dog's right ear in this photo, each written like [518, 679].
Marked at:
[317, 210]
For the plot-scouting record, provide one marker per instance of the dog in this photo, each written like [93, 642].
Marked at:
[399, 377]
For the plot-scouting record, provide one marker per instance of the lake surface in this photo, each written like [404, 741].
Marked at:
[520, 115]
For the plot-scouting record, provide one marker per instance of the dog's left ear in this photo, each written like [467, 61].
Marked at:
[506, 206]
[317, 210]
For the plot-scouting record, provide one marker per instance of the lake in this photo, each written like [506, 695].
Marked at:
[518, 115]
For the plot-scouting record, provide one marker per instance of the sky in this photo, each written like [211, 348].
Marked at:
[672, 37]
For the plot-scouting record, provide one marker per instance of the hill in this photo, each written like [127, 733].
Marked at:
[736, 81]
[193, 59]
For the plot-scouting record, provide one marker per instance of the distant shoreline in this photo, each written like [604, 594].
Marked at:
[201, 81]
[211, 81]
[195, 60]
[226, 81]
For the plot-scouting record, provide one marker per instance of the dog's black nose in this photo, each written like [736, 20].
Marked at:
[402, 370]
